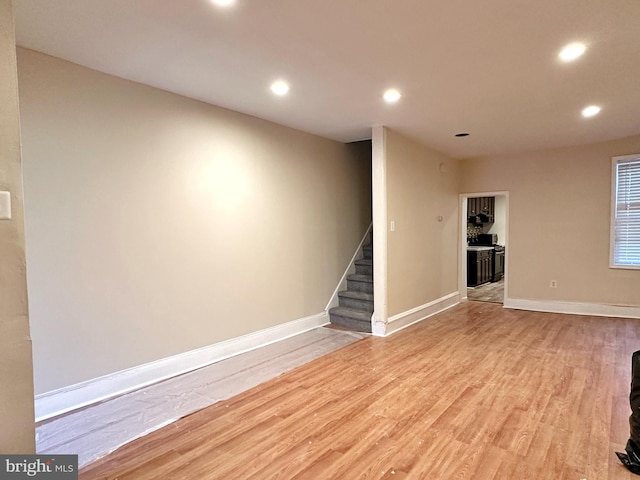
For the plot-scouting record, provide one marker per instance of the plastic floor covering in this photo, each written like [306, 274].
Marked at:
[99, 429]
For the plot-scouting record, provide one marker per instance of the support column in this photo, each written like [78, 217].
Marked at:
[379, 192]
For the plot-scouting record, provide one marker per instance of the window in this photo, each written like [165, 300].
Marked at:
[625, 212]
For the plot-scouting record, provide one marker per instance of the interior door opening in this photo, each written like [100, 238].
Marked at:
[484, 231]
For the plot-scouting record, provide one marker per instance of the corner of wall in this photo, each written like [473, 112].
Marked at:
[16, 375]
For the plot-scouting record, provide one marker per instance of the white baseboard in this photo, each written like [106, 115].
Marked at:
[573, 308]
[415, 315]
[63, 400]
[378, 328]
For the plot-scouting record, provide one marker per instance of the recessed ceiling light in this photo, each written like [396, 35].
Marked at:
[590, 111]
[224, 3]
[462, 134]
[572, 51]
[392, 95]
[280, 87]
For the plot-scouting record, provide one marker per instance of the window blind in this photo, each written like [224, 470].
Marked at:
[626, 225]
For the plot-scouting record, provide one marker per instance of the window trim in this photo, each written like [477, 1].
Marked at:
[614, 190]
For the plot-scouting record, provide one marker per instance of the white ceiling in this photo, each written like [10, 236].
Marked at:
[487, 67]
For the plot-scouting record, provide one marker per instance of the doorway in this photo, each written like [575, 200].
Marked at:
[484, 238]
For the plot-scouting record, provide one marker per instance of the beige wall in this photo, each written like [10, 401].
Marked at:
[17, 428]
[559, 208]
[422, 185]
[157, 224]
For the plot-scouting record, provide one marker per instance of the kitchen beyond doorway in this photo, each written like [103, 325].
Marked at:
[484, 228]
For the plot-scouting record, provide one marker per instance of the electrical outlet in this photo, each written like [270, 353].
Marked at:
[392, 226]
[553, 284]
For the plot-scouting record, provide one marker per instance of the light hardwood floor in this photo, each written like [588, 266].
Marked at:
[477, 392]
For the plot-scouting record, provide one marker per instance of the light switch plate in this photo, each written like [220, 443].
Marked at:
[5, 206]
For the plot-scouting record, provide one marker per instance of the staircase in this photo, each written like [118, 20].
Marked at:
[356, 302]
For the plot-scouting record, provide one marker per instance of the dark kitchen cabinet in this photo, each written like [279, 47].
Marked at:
[481, 209]
[498, 265]
[479, 267]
